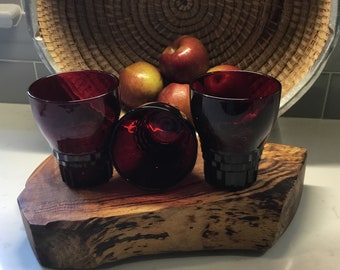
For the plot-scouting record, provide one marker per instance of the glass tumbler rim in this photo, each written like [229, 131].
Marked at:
[156, 105]
[216, 97]
[161, 106]
[82, 100]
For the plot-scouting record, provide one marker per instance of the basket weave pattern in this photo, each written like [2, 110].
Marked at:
[280, 38]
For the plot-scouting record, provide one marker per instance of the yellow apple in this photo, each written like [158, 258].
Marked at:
[139, 83]
[223, 67]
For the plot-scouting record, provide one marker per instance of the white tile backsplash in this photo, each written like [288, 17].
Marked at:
[333, 64]
[312, 104]
[332, 108]
[14, 80]
[41, 70]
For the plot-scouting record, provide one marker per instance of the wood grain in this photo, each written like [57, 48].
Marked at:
[87, 228]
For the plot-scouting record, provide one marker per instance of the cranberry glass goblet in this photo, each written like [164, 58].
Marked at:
[76, 112]
[154, 147]
[233, 112]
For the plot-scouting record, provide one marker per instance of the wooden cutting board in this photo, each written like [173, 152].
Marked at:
[87, 228]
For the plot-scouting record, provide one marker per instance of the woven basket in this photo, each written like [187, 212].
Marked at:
[288, 39]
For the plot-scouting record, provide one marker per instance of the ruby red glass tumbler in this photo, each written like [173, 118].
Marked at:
[233, 113]
[76, 112]
[154, 147]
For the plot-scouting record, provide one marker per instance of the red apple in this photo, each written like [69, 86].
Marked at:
[218, 84]
[223, 67]
[183, 60]
[177, 95]
[226, 84]
[139, 83]
[223, 83]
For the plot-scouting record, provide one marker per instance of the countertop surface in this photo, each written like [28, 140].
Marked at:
[312, 240]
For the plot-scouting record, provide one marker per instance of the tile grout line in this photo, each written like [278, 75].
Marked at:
[19, 61]
[326, 94]
[35, 70]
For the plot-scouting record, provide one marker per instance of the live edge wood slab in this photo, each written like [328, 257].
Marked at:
[84, 229]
